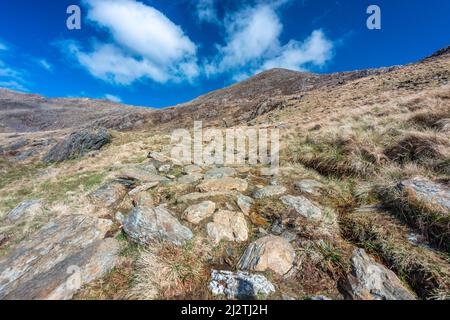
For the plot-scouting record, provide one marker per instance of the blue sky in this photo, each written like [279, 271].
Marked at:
[159, 53]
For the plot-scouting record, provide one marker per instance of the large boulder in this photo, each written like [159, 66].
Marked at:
[239, 285]
[78, 144]
[303, 206]
[198, 212]
[146, 224]
[228, 226]
[61, 257]
[223, 184]
[268, 253]
[370, 280]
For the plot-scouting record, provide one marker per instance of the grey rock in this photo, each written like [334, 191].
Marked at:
[27, 208]
[244, 203]
[192, 168]
[370, 280]
[143, 173]
[17, 145]
[190, 178]
[109, 195]
[41, 267]
[269, 191]
[195, 196]
[303, 206]
[218, 173]
[309, 186]
[165, 168]
[239, 285]
[78, 144]
[428, 191]
[145, 224]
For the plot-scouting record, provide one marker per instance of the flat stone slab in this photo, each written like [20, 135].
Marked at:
[146, 224]
[303, 206]
[269, 191]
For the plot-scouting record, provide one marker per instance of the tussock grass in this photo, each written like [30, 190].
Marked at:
[340, 156]
[431, 220]
[418, 147]
[425, 270]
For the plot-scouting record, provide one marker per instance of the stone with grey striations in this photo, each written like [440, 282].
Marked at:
[146, 224]
[303, 206]
[370, 280]
[244, 203]
[269, 191]
[28, 208]
[109, 195]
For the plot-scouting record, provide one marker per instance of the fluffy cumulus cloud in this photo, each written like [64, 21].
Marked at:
[253, 44]
[144, 44]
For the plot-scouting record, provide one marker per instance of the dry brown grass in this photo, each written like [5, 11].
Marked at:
[432, 221]
[419, 147]
[165, 271]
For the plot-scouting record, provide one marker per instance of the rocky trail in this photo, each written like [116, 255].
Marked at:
[359, 209]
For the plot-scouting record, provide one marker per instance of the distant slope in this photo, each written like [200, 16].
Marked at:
[21, 112]
[243, 101]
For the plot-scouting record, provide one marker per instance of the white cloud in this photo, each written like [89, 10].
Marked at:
[316, 50]
[206, 11]
[253, 45]
[146, 44]
[113, 98]
[14, 85]
[251, 34]
[44, 64]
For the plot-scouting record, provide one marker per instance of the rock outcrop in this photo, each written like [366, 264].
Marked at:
[78, 144]
[58, 259]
